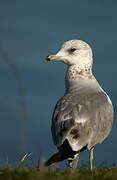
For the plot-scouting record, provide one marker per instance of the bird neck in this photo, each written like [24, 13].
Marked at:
[76, 74]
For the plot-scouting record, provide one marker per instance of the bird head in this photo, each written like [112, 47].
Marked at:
[73, 52]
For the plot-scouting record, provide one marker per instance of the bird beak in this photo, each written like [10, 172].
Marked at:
[51, 58]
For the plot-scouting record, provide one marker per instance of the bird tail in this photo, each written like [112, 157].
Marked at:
[57, 157]
[64, 153]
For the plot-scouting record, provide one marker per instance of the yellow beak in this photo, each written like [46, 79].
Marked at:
[51, 57]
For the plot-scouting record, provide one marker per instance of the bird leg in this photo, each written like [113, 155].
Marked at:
[70, 162]
[91, 158]
[76, 161]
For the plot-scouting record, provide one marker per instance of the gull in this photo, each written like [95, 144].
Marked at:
[83, 117]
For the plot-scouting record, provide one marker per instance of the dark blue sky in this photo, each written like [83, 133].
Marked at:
[30, 30]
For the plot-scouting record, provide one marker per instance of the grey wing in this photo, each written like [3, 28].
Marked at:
[68, 121]
[84, 119]
[62, 120]
[103, 119]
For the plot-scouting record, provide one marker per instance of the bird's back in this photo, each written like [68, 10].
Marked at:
[83, 116]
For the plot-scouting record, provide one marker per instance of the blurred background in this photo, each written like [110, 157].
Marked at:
[30, 88]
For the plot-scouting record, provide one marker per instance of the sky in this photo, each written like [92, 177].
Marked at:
[31, 30]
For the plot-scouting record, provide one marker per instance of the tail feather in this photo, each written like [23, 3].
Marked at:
[64, 153]
[57, 157]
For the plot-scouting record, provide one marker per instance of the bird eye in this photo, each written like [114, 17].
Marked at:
[72, 49]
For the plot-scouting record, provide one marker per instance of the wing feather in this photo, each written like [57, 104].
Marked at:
[81, 118]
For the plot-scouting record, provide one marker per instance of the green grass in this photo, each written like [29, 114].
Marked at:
[83, 173]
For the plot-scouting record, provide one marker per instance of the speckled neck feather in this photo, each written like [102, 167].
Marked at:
[76, 71]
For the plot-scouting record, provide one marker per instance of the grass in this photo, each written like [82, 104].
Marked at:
[83, 173]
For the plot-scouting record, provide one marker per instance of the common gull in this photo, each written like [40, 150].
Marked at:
[83, 117]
